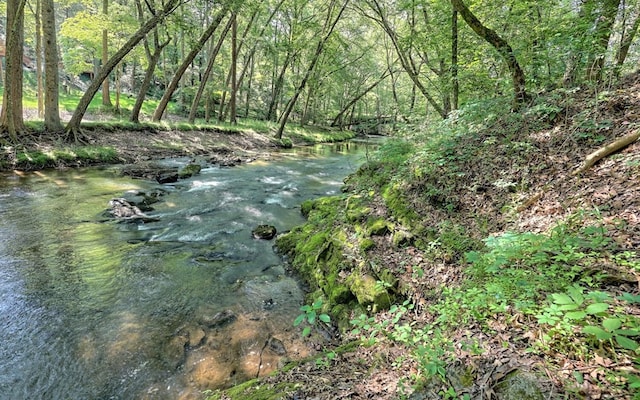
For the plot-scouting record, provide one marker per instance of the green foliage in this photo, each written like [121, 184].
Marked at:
[599, 316]
[312, 316]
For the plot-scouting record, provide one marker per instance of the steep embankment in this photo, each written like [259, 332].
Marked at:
[474, 260]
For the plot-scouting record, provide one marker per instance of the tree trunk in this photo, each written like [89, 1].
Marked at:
[248, 92]
[234, 64]
[455, 87]
[277, 89]
[162, 106]
[338, 119]
[39, 62]
[328, 31]
[501, 45]
[625, 44]
[74, 124]
[405, 59]
[51, 101]
[604, 21]
[11, 119]
[106, 98]
[207, 73]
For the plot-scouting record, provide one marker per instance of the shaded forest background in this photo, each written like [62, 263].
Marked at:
[338, 63]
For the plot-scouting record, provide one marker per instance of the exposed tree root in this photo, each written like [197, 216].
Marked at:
[602, 152]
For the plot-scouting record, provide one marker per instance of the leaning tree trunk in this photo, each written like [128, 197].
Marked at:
[207, 73]
[11, 119]
[74, 123]
[625, 44]
[162, 106]
[329, 27]
[501, 45]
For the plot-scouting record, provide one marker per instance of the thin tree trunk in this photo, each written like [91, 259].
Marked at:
[405, 59]
[106, 98]
[328, 30]
[74, 123]
[455, 87]
[277, 89]
[51, 74]
[234, 64]
[162, 106]
[501, 45]
[338, 119]
[604, 28]
[39, 62]
[248, 92]
[625, 44]
[207, 73]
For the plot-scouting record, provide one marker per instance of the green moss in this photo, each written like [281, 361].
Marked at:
[519, 386]
[369, 292]
[399, 207]
[379, 227]
[256, 390]
[367, 244]
[189, 170]
[356, 209]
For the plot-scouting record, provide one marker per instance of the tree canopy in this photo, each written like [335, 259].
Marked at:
[325, 63]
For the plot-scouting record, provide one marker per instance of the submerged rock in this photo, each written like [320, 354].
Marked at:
[167, 177]
[266, 232]
[123, 210]
[218, 319]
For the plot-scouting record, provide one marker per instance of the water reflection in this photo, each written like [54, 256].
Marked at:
[95, 309]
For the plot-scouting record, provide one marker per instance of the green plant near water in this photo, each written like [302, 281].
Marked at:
[312, 315]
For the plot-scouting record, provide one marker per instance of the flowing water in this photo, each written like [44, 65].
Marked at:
[92, 308]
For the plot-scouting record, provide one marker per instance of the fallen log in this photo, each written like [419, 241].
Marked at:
[604, 151]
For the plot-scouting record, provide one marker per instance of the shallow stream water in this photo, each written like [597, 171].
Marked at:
[95, 309]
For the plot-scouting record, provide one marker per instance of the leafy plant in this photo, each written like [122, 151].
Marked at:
[595, 314]
[311, 314]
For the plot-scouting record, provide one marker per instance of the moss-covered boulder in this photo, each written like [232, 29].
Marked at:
[189, 170]
[327, 253]
[369, 292]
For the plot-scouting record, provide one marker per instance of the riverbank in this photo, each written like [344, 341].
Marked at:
[108, 143]
[482, 257]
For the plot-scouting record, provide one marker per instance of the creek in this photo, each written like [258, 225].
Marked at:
[93, 308]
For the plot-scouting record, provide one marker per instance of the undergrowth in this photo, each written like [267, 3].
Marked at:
[551, 281]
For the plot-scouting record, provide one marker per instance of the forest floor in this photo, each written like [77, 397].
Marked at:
[508, 185]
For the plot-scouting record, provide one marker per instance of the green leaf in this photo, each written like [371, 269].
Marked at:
[561, 298]
[627, 332]
[306, 331]
[299, 319]
[569, 307]
[596, 308]
[311, 317]
[611, 324]
[575, 315]
[324, 318]
[626, 343]
[630, 298]
[599, 333]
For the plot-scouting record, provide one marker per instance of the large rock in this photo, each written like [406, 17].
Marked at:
[266, 232]
[189, 170]
[123, 210]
